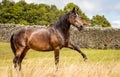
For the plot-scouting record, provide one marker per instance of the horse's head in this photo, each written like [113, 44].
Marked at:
[75, 19]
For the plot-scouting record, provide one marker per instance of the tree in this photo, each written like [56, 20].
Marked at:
[6, 3]
[5, 11]
[53, 14]
[100, 21]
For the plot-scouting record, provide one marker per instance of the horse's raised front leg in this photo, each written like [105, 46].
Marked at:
[56, 55]
[71, 46]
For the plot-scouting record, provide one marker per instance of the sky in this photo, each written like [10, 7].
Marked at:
[109, 8]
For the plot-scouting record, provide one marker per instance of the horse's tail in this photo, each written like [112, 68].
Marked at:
[12, 44]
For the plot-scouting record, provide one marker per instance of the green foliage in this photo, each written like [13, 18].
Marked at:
[40, 14]
[100, 21]
[28, 14]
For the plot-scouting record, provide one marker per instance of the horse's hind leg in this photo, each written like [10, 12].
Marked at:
[15, 61]
[18, 53]
[22, 56]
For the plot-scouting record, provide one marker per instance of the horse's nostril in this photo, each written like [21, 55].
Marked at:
[81, 26]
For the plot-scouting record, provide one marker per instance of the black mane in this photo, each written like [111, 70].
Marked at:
[63, 22]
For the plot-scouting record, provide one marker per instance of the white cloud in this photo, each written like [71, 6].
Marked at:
[115, 24]
[117, 7]
[87, 5]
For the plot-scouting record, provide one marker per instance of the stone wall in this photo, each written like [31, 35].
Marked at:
[6, 30]
[100, 38]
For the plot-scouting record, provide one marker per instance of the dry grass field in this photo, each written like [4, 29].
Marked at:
[102, 63]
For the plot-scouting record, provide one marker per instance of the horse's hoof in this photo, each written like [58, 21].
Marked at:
[86, 60]
[15, 65]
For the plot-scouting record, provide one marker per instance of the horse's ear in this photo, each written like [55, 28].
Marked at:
[73, 9]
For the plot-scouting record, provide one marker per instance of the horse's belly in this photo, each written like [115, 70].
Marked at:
[40, 46]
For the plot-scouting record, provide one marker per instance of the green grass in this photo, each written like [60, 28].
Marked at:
[94, 55]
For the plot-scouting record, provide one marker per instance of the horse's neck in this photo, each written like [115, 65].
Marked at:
[63, 29]
[63, 26]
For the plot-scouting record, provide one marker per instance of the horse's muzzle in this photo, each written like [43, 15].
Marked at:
[80, 28]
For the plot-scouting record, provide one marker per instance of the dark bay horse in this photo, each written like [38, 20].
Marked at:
[52, 38]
